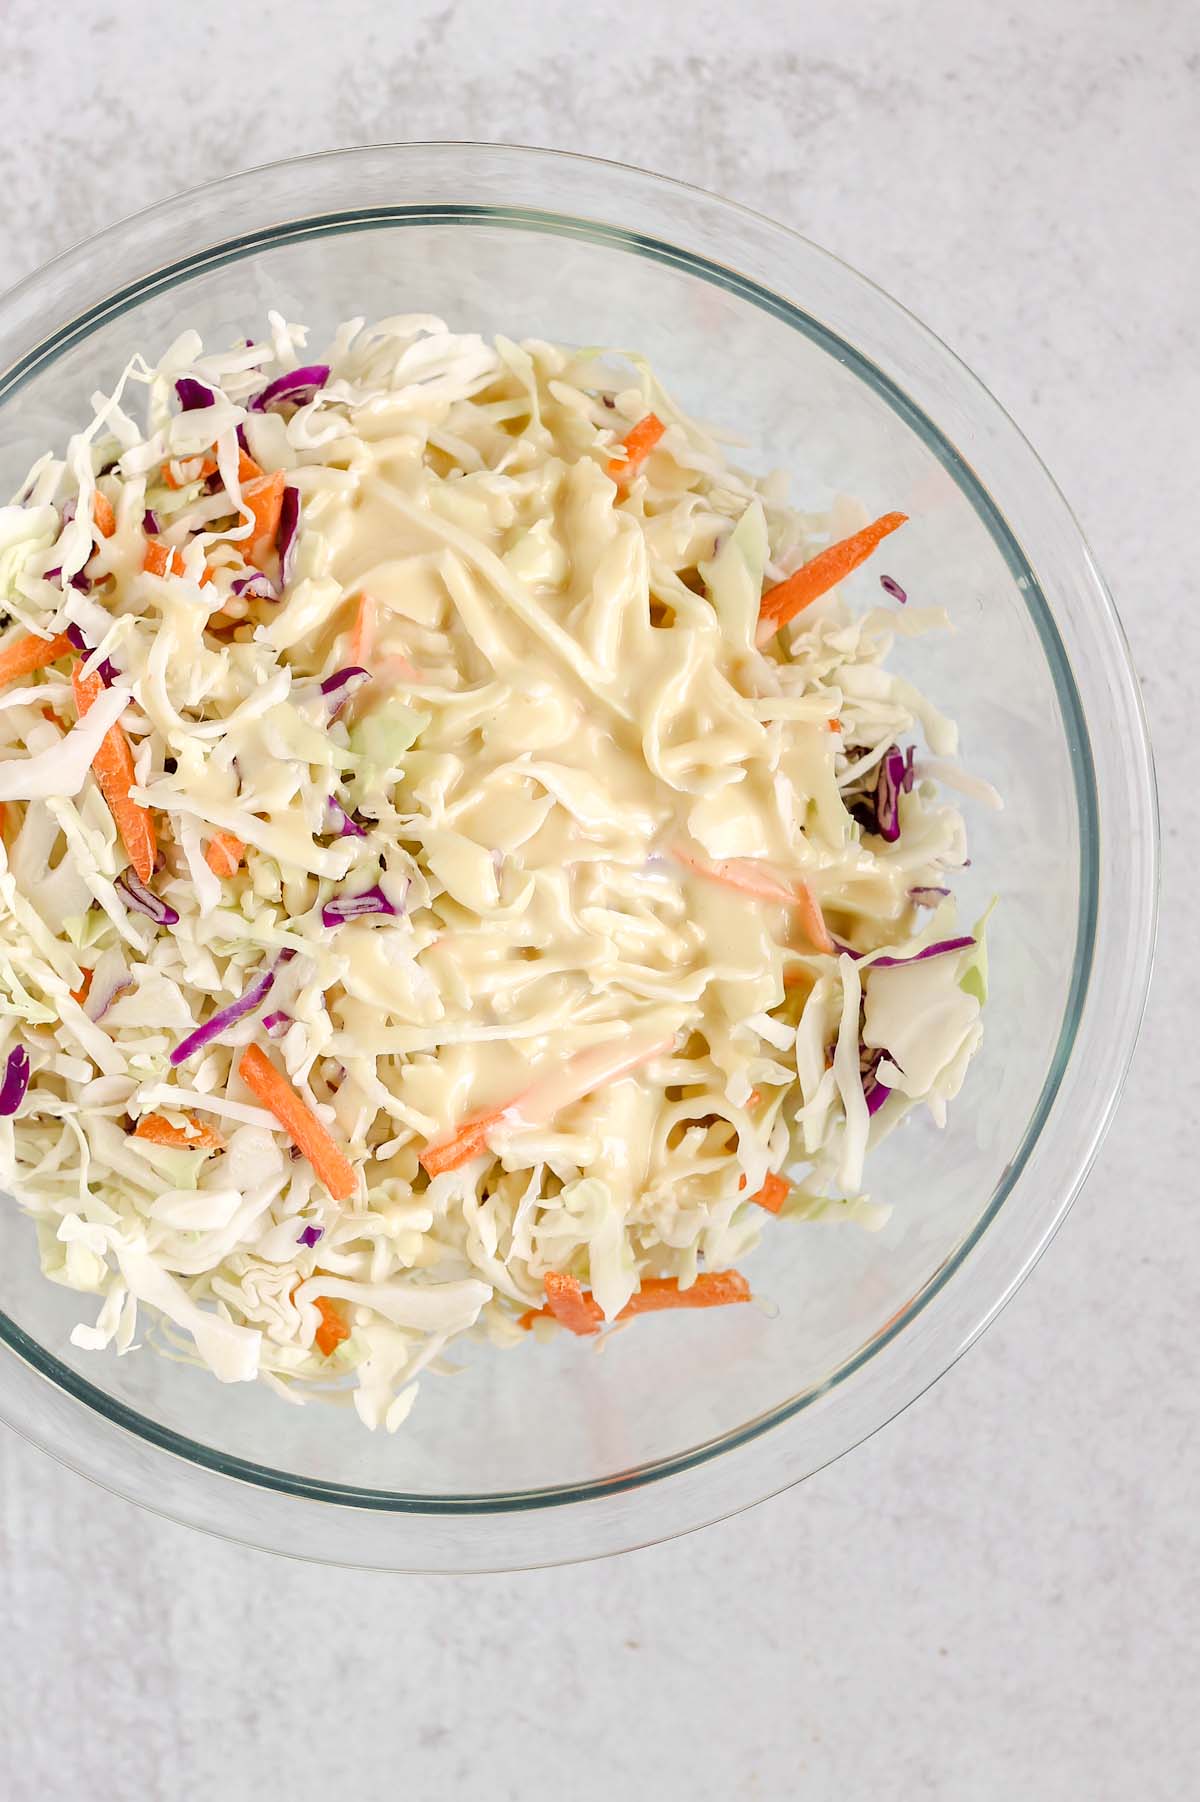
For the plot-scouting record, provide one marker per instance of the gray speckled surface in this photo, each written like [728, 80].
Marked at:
[996, 1597]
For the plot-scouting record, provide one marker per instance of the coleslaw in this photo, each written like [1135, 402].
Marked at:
[465, 870]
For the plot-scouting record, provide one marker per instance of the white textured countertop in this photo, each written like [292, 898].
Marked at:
[996, 1597]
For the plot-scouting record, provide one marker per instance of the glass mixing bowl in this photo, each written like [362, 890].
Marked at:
[546, 1454]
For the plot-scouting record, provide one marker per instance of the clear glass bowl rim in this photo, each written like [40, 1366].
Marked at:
[609, 1515]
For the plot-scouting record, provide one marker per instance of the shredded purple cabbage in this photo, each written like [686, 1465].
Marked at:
[887, 795]
[223, 1018]
[16, 1081]
[890, 586]
[257, 585]
[293, 389]
[122, 986]
[142, 900]
[150, 523]
[879, 812]
[345, 825]
[310, 1235]
[875, 1093]
[79, 582]
[285, 537]
[105, 670]
[926, 895]
[275, 1024]
[242, 441]
[339, 687]
[193, 394]
[258, 991]
[353, 907]
[940, 949]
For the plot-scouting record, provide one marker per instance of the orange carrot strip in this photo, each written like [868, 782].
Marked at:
[570, 1306]
[298, 1120]
[773, 1194]
[248, 470]
[638, 444]
[160, 558]
[711, 1289]
[333, 1328]
[208, 467]
[55, 719]
[580, 1312]
[812, 919]
[746, 875]
[81, 994]
[538, 1104]
[196, 1136]
[820, 574]
[466, 1142]
[264, 499]
[224, 854]
[103, 515]
[363, 633]
[833, 725]
[22, 656]
[113, 769]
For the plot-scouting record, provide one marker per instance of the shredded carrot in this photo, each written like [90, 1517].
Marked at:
[81, 994]
[113, 769]
[466, 1142]
[754, 1097]
[298, 1120]
[55, 719]
[579, 1311]
[333, 1328]
[820, 574]
[746, 875]
[248, 470]
[773, 1194]
[637, 444]
[160, 558]
[196, 1136]
[833, 725]
[22, 656]
[811, 918]
[208, 467]
[363, 633]
[224, 854]
[711, 1289]
[102, 513]
[264, 499]
[570, 1305]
